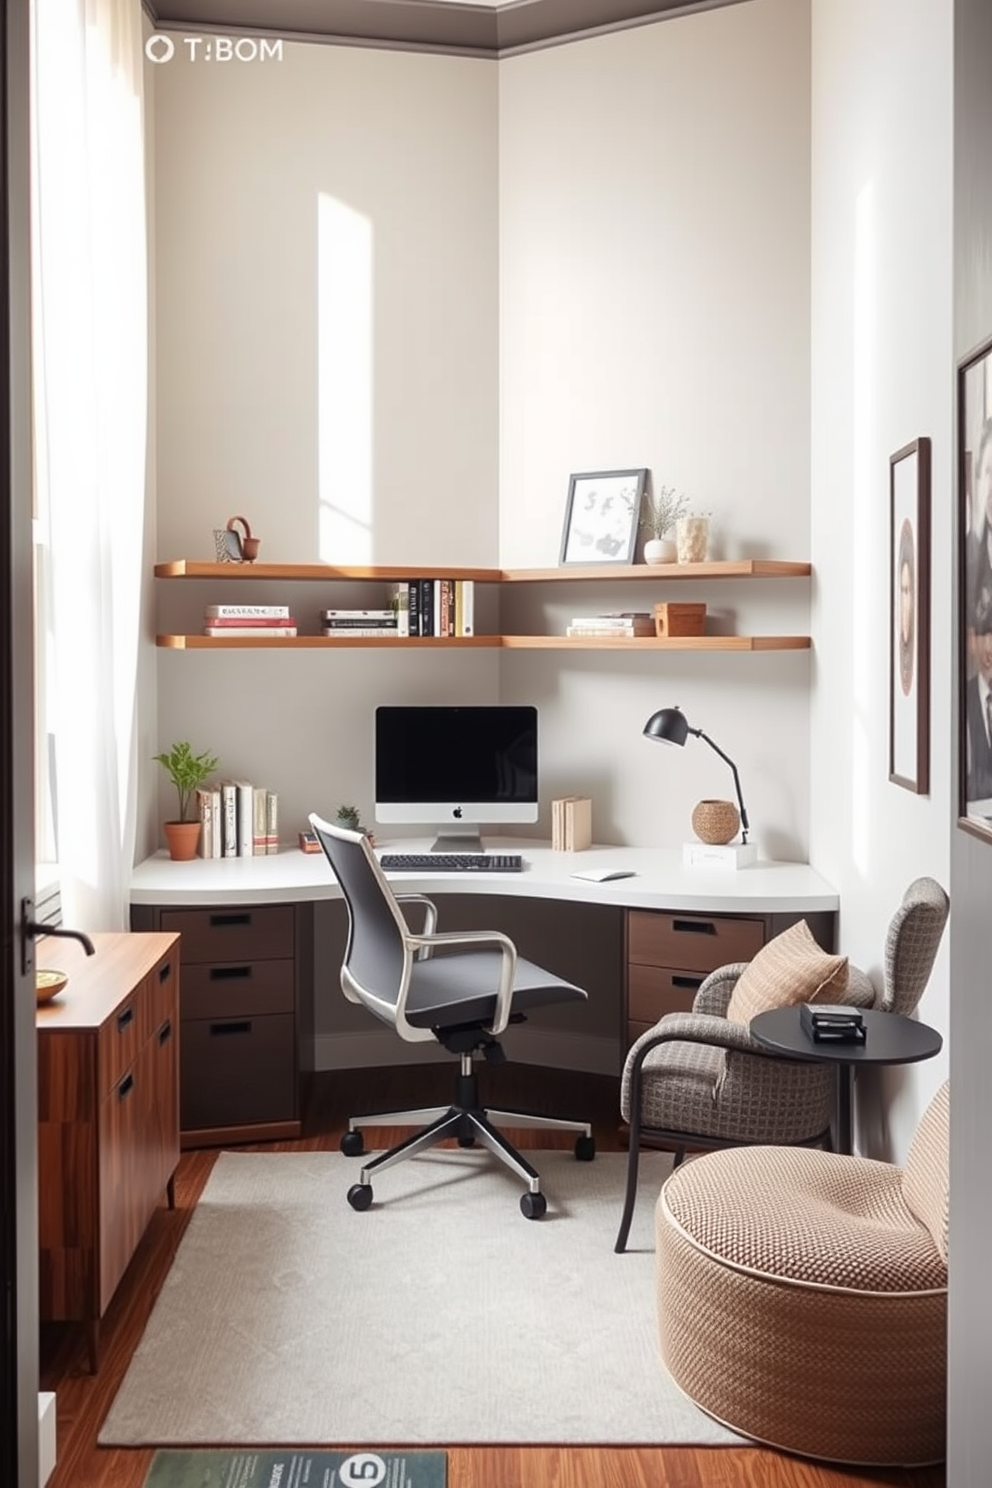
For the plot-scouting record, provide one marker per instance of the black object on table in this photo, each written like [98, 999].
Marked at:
[890, 1038]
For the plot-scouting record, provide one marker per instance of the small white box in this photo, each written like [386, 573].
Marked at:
[708, 855]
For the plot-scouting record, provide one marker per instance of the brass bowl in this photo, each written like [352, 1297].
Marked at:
[48, 984]
[715, 822]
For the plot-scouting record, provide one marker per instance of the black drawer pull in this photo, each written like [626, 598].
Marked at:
[695, 927]
[124, 1018]
[232, 918]
[125, 1087]
[164, 972]
[687, 981]
[219, 1028]
[165, 1032]
[229, 973]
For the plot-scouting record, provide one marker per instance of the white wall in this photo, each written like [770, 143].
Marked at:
[882, 375]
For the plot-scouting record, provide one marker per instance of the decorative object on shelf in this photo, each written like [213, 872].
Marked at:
[909, 612]
[692, 539]
[974, 605]
[601, 516]
[670, 726]
[679, 619]
[227, 546]
[48, 984]
[716, 822]
[248, 546]
[349, 817]
[187, 771]
[662, 511]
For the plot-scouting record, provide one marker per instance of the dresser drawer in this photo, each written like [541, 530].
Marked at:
[237, 1071]
[119, 1040]
[160, 995]
[261, 932]
[244, 988]
[653, 991]
[690, 941]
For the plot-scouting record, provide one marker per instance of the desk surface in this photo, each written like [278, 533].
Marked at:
[659, 881]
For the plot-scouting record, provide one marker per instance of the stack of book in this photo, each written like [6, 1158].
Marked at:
[835, 1023]
[571, 824]
[251, 620]
[350, 623]
[237, 820]
[615, 624]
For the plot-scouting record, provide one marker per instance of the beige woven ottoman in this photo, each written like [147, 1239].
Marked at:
[802, 1296]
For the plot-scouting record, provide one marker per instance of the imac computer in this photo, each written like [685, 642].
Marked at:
[451, 769]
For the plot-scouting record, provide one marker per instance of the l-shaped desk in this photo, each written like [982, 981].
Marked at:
[642, 943]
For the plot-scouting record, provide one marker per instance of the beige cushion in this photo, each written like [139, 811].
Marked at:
[789, 969]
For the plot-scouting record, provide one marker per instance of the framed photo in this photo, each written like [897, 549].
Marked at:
[974, 609]
[909, 617]
[602, 516]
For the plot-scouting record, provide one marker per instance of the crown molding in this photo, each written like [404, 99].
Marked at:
[420, 25]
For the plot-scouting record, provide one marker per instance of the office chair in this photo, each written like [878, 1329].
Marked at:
[459, 988]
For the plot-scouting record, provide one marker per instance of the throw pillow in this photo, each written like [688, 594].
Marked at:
[792, 968]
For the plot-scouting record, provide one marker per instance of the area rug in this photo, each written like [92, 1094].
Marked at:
[439, 1316]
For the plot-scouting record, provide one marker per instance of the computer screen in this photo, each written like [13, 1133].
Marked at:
[454, 768]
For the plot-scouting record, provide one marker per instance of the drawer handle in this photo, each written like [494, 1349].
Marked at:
[124, 1018]
[164, 972]
[165, 1032]
[225, 1028]
[695, 927]
[125, 1087]
[220, 920]
[687, 981]
[229, 973]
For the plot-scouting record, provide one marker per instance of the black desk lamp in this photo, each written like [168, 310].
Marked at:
[670, 726]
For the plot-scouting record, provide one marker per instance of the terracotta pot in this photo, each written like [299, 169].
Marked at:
[715, 822]
[182, 838]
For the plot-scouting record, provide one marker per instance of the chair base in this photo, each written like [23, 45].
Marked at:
[469, 1122]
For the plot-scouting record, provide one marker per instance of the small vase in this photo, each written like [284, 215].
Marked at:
[693, 538]
[182, 838]
[715, 822]
[660, 550]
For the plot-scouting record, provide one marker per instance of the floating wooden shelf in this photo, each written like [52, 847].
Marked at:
[509, 642]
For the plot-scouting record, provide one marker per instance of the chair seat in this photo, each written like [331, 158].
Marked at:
[808, 1217]
[454, 990]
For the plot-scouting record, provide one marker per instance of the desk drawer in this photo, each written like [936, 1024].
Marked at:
[237, 1071]
[241, 988]
[691, 941]
[256, 933]
[653, 991]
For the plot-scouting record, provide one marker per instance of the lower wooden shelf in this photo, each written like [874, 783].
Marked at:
[509, 642]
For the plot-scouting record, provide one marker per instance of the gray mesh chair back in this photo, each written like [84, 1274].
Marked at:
[911, 945]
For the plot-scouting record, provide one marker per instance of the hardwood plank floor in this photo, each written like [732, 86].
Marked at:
[83, 1400]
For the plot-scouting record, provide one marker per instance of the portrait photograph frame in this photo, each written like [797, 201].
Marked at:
[602, 516]
[974, 576]
[909, 616]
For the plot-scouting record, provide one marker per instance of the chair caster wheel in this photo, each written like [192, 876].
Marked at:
[360, 1195]
[353, 1144]
[533, 1205]
[585, 1149]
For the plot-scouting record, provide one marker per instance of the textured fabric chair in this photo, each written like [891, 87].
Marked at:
[460, 989]
[802, 1296]
[699, 1080]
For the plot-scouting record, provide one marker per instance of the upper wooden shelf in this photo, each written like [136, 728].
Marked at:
[742, 568]
[509, 642]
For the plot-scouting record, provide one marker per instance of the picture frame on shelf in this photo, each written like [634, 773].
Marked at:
[974, 606]
[602, 516]
[909, 616]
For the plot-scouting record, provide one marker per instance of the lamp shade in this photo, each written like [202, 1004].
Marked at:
[668, 726]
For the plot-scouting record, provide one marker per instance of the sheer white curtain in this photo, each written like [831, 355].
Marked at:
[90, 319]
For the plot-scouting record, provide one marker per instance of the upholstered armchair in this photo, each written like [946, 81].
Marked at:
[698, 1079]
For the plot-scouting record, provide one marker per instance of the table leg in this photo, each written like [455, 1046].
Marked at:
[845, 1135]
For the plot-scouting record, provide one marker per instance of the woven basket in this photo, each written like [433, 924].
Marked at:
[716, 822]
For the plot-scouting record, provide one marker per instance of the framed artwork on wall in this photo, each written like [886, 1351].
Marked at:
[909, 617]
[974, 609]
[602, 516]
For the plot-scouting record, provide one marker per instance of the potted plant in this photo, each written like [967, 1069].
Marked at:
[187, 771]
[662, 510]
[349, 817]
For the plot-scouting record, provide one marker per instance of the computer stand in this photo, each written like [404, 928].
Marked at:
[454, 841]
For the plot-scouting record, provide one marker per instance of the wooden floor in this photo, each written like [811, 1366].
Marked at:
[83, 1400]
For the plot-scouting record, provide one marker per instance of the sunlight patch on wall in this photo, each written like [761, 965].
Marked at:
[862, 549]
[344, 383]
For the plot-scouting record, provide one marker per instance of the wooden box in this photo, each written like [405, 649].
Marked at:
[679, 619]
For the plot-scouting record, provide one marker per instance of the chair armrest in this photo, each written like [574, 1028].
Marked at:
[424, 944]
[430, 916]
[697, 1028]
[713, 994]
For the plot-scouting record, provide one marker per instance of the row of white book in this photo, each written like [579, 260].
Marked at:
[237, 820]
[571, 823]
[252, 621]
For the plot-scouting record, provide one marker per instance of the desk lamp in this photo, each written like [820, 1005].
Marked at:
[670, 726]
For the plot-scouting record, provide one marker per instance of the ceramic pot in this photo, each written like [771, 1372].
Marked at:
[693, 539]
[660, 550]
[182, 839]
[715, 822]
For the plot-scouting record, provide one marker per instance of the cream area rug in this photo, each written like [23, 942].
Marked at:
[439, 1316]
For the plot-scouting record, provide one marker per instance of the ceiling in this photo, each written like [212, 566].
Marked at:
[488, 29]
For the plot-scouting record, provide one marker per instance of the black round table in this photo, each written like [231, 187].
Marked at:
[889, 1039]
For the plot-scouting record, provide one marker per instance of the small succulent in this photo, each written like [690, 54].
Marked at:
[349, 818]
[662, 510]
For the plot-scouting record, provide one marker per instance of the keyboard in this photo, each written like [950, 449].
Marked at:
[452, 862]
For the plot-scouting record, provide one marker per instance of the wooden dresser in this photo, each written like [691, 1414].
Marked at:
[108, 1116]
